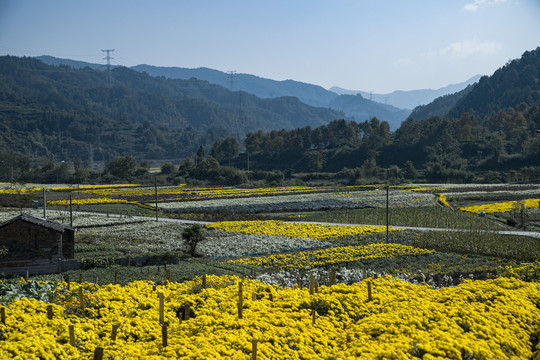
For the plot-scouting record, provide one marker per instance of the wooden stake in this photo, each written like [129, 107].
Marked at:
[369, 297]
[254, 296]
[114, 331]
[3, 315]
[316, 286]
[168, 275]
[240, 305]
[332, 277]
[71, 329]
[240, 292]
[98, 353]
[186, 311]
[115, 277]
[164, 335]
[311, 284]
[254, 349]
[27, 275]
[67, 281]
[49, 312]
[161, 309]
[81, 298]
[348, 338]
[313, 316]
[80, 278]
[204, 281]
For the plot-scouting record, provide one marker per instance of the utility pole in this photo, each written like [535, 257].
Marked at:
[387, 215]
[44, 204]
[155, 186]
[108, 58]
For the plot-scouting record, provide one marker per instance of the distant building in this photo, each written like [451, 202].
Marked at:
[36, 245]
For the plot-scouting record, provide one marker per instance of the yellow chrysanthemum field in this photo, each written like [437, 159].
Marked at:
[493, 319]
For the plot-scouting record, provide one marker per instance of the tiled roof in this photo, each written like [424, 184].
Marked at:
[36, 220]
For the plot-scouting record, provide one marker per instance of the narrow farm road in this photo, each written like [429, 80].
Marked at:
[534, 234]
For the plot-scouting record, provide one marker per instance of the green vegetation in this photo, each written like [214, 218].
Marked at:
[432, 217]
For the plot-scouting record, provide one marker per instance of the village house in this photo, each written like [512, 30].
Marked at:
[35, 245]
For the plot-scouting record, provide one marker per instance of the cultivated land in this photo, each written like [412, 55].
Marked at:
[454, 275]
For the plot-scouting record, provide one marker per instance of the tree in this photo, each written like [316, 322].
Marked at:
[167, 168]
[200, 155]
[409, 171]
[226, 149]
[192, 236]
[123, 166]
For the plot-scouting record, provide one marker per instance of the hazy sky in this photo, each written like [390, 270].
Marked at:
[370, 45]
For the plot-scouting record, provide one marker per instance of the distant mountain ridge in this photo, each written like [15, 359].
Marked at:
[409, 99]
[393, 108]
[59, 112]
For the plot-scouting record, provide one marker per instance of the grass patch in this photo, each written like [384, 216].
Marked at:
[433, 216]
[183, 271]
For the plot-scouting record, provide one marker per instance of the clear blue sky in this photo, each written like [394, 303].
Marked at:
[370, 45]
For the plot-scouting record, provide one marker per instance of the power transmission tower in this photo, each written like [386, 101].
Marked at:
[108, 58]
[232, 75]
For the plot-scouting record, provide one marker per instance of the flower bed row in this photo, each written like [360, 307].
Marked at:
[501, 207]
[301, 230]
[378, 318]
[333, 255]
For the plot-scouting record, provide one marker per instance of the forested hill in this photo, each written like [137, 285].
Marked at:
[516, 82]
[488, 134]
[63, 113]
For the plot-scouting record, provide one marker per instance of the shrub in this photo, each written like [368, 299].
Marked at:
[192, 235]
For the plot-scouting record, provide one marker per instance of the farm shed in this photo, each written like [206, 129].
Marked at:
[35, 244]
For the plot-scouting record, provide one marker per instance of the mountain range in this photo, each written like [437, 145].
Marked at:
[393, 108]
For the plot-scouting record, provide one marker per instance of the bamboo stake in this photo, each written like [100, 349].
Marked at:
[254, 349]
[114, 331]
[98, 353]
[71, 329]
[49, 312]
[161, 308]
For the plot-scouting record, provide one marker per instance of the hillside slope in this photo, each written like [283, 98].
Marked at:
[55, 111]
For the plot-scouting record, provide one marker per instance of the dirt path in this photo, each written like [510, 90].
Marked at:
[534, 234]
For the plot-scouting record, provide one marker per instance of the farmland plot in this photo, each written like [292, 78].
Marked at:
[320, 291]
